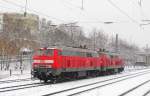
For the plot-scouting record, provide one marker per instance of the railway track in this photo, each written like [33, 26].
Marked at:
[147, 93]
[18, 85]
[24, 86]
[129, 76]
[134, 88]
[16, 80]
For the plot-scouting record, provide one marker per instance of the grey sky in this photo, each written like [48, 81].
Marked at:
[95, 12]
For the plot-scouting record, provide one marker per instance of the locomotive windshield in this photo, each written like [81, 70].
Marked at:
[48, 52]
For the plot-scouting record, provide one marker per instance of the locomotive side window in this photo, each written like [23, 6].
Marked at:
[77, 53]
[89, 54]
[94, 55]
[82, 54]
[69, 53]
[73, 53]
[112, 56]
[65, 53]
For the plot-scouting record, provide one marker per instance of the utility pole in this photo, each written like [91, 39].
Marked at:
[140, 3]
[82, 5]
[146, 57]
[116, 44]
[25, 13]
[94, 40]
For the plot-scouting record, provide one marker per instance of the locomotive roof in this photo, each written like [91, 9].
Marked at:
[109, 53]
[71, 49]
[80, 50]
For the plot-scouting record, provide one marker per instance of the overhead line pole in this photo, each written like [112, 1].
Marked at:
[25, 13]
[116, 44]
[140, 3]
[82, 5]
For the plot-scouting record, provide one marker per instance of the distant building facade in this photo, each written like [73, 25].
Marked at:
[18, 25]
[143, 58]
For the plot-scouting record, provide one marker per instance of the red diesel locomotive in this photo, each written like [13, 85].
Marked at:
[61, 63]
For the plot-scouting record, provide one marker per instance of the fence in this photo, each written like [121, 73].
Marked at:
[17, 62]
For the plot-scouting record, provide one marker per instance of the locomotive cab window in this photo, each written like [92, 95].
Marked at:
[48, 52]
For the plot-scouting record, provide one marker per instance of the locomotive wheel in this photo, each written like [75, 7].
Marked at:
[75, 75]
[54, 81]
[45, 80]
[57, 79]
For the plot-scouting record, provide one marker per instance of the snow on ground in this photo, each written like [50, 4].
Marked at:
[117, 89]
[38, 91]
[140, 90]
[5, 75]
[132, 68]
[29, 81]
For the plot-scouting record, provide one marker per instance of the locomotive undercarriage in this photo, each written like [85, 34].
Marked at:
[46, 74]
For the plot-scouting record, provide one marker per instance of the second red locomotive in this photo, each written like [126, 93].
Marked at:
[60, 63]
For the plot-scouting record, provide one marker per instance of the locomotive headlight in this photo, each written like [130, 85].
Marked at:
[43, 61]
[36, 61]
[49, 61]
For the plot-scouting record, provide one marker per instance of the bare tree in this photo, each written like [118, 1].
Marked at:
[98, 39]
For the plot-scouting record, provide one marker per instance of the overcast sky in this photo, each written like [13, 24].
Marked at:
[126, 15]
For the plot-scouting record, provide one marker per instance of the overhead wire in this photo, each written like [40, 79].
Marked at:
[40, 13]
[96, 19]
[82, 12]
[140, 4]
[143, 13]
[32, 10]
[51, 16]
[2, 5]
[6, 7]
[145, 19]
[72, 4]
[123, 12]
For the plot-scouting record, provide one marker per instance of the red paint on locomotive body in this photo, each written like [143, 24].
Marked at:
[60, 61]
[54, 61]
